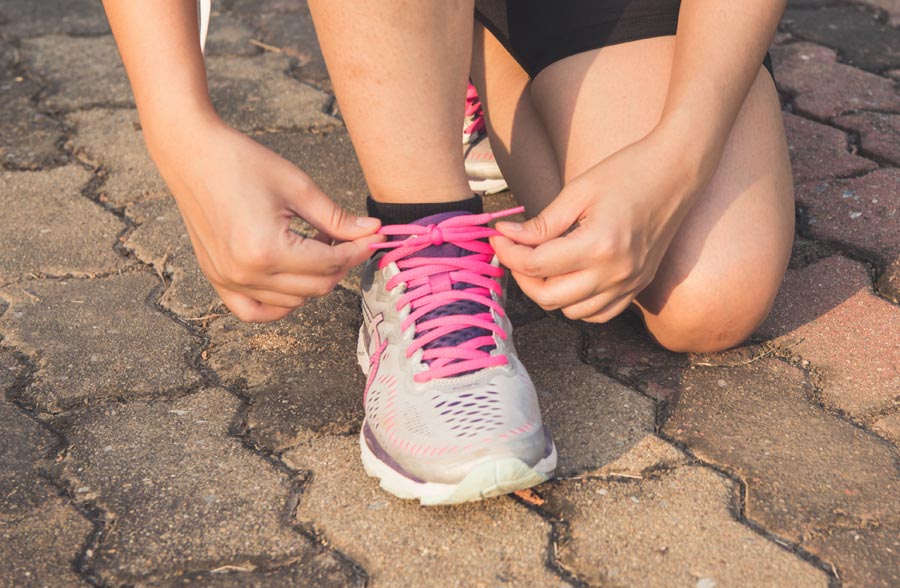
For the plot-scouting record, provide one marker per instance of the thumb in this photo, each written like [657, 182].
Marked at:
[313, 206]
[552, 222]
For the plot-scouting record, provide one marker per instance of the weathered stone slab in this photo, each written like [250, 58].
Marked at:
[29, 139]
[853, 31]
[289, 27]
[301, 371]
[879, 134]
[801, 67]
[27, 18]
[818, 151]
[889, 426]
[112, 139]
[623, 349]
[40, 535]
[401, 543]
[806, 471]
[673, 530]
[97, 339]
[148, 461]
[889, 282]
[862, 212]
[319, 570]
[48, 228]
[828, 314]
[594, 419]
[228, 36]
[867, 556]
[79, 71]
[255, 93]
[162, 241]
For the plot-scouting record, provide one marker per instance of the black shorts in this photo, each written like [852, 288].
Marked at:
[540, 32]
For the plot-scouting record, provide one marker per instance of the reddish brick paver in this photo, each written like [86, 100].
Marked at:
[879, 134]
[820, 152]
[829, 315]
[863, 212]
[801, 69]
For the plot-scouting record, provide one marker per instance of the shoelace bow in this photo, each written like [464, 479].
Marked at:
[474, 112]
[429, 286]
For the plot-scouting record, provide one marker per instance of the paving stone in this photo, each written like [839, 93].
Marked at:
[80, 72]
[228, 36]
[147, 461]
[622, 349]
[801, 68]
[161, 240]
[27, 18]
[868, 556]
[95, 340]
[289, 27]
[827, 314]
[818, 151]
[805, 470]
[29, 139]
[856, 34]
[49, 228]
[891, 7]
[401, 543]
[319, 570]
[300, 372]
[41, 549]
[862, 212]
[673, 530]
[889, 282]
[255, 93]
[40, 535]
[889, 426]
[879, 134]
[594, 419]
[112, 139]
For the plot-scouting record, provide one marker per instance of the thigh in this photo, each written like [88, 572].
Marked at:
[727, 261]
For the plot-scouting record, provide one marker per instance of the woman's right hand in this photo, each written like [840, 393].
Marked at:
[237, 199]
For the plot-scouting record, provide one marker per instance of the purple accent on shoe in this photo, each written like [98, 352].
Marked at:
[384, 457]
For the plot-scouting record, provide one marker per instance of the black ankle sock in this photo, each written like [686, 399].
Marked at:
[390, 213]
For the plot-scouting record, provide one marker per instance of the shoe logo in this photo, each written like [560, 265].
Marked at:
[375, 344]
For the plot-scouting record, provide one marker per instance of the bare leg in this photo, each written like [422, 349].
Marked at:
[399, 71]
[719, 279]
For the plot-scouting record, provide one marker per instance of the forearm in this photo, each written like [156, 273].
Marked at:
[719, 49]
[160, 48]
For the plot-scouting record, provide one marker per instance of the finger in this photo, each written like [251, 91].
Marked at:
[312, 257]
[559, 291]
[249, 310]
[313, 206]
[600, 308]
[552, 222]
[556, 257]
[271, 298]
[610, 313]
[292, 285]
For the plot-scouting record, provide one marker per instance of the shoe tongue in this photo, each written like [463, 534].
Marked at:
[447, 249]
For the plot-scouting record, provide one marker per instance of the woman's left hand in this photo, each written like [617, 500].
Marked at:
[627, 208]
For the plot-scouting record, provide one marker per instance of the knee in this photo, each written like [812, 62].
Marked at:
[707, 321]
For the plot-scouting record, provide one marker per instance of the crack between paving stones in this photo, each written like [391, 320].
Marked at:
[738, 511]
[92, 512]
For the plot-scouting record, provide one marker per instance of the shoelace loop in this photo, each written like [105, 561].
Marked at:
[429, 286]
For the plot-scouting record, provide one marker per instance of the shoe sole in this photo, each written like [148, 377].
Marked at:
[485, 480]
[487, 186]
[489, 478]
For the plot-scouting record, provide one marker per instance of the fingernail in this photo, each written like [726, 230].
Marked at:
[512, 226]
[366, 222]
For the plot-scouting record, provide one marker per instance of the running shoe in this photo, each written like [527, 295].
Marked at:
[451, 415]
[481, 167]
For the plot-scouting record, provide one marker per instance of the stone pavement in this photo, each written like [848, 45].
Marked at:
[150, 439]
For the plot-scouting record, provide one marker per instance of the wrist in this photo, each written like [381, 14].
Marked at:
[692, 144]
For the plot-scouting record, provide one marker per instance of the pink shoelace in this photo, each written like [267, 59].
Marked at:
[474, 112]
[429, 286]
